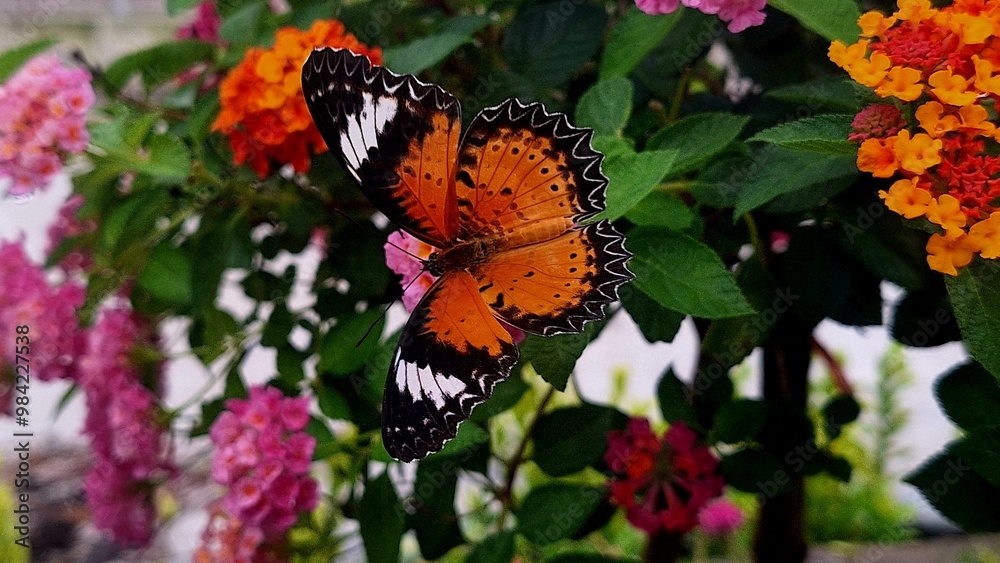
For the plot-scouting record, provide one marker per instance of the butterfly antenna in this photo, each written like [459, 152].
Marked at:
[385, 310]
[344, 214]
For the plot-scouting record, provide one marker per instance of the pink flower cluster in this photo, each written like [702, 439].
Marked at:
[204, 26]
[720, 517]
[739, 14]
[49, 312]
[404, 254]
[68, 225]
[131, 448]
[263, 458]
[662, 485]
[44, 117]
[876, 121]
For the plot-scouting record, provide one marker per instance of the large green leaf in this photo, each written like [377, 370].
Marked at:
[970, 396]
[555, 511]
[831, 19]
[554, 357]
[498, 548]
[739, 421]
[240, 27]
[13, 59]
[632, 38]
[975, 296]
[697, 138]
[661, 209]
[753, 471]
[631, 177]
[675, 402]
[824, 134]
[606, 106]
[423, 53]
[684, 275]
[774, 171]
[167, 275]
[656, 323]
[980, 448]
[829, 93]
[548, 42]
[175, 7]
[159, 63]
[434, 520]
[340, 351]
[570, 439]
[380, 516]
[959, 492]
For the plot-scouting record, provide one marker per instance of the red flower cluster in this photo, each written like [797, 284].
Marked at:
[662, 484]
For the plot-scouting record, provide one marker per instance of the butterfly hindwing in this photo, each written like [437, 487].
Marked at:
[395, 135]
[520, 164]
[451, 353]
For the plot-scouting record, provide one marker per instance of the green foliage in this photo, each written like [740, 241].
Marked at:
[13, 59]
[975, 296]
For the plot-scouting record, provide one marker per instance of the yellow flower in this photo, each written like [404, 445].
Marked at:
[914, 10]
[951, 88]
[975, 120]
[873, 24]
[906, 198]
[945, 254]
[946, 212]
[903, 83]
[870, 72]
[985, 236]
[985, 80]
[846, 55]
[972, 30]
[878, 157]
[929, 116]
[918, 153]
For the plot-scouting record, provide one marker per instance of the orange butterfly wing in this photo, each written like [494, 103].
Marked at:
[451, 354]
[397, 136]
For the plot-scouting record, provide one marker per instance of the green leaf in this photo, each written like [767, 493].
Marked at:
[753, 471]
[554, 511]
[959, 492]
[434, 519]
[975, 296]
[824, 134]
[505, 395]
[675, 401]
[661, 209]
[498, 548]
[831, 19]
[169, 159]
[838, 412]
[606, 106]
[240, 28]
[969, 395]
[380, 516]
[469, 435]
[423, 53]
[739, 421]
[830, 93]
[340, 353]
[684, 275]
[697, 139]
[571, 439]
[13, 59]
[549, 42]
[554, 357]
[159, 63]
[656, 323]
[175, 7]
[631, 177]
[980, 448]
[775, 171]
[584, 557]
[924, 318]
[632, 38]
[167, 275]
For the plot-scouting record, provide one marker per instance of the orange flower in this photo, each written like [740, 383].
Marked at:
[914, 10]
[903, 83]
[945, 254]
[918, 153]
[951, 88]
[878, 156]
[870, 72]
[946, 212]
[971, 30]
[985, 236]
[975, 121]
[846, 55]
[873, 24]
[931, 120]
[985, 80]
[262, 109]
[906, 198]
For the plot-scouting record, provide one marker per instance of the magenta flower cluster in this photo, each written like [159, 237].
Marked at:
[43, 119]
[738, 14]
[67, 225]
[131, 447]
[263, 457]
[54, 339]
[204, 26]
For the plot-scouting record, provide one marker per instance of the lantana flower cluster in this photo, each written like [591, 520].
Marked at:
[43, 120]
[738, 14]
[661, 484]
[128, 433]
[52, 339]
[263, 111]
[263, 459]
[940, 72]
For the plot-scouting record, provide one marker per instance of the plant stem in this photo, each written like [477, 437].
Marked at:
[836, 369]
[506, 493]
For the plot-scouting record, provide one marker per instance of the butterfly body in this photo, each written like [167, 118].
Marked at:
[508, 211]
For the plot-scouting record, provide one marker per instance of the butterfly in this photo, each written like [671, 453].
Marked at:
[506, 208]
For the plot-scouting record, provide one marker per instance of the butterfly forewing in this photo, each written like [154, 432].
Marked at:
[395, 135]
[451, 354]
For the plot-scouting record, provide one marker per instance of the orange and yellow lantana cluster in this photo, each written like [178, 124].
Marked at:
[262, 109]
[942, 67]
